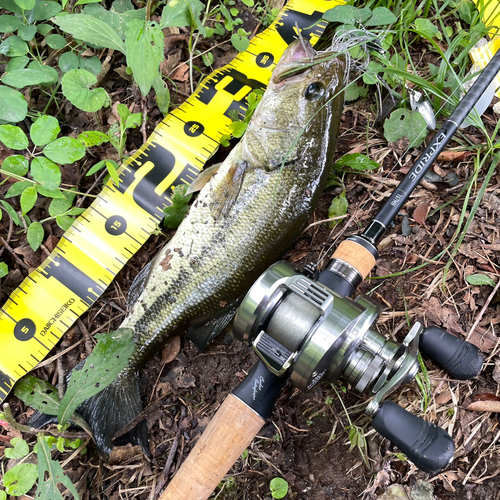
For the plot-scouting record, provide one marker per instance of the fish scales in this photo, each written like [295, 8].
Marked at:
[242, 221]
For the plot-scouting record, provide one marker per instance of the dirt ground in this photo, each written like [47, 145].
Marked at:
[305, 441]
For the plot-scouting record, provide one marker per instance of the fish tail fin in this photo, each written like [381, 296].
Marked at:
[113, 408]
[107, 412]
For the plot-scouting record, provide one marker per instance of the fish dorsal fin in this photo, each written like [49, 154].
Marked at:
[138, 285]
[203, 177]
[226, 193]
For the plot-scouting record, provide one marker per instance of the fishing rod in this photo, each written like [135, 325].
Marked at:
[305, 328]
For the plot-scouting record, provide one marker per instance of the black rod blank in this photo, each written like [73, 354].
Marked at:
[373, 233]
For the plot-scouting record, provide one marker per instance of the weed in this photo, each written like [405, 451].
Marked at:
[278, 487]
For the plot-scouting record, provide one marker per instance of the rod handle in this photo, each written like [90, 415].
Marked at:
[227, 436]
[356, 255]
[428, 446]
[461, 359]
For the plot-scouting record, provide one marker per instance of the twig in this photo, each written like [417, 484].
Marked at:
[11, 251]
[144, 117]
[480, 315]
[164, 475]
[9, 234]
[89, 346]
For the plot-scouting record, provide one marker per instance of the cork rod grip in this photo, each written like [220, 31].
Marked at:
[224, 440]
[356, 255]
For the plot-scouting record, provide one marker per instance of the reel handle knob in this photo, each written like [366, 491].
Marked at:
[461, 359]
[428, 446]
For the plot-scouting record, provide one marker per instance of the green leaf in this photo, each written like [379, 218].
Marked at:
[13, 105]
[406, 123]
[13, 214]
[68, 61]
[35, 235]
[113, 172]
[108, 358]
[179, 208]
[11, 6]
[338, 208]
[20, 448]
[17, 63]
[381, 17]
[4, 270]
[92, 138]
[144, 44]
[85, 2]
[45, 10]
[38, 393]
[51, 474]
[46, 173]
[27, 33]
[20, 479]
[15, 164]
[347, 14]
[370, 76]
[59, 206]
[479, 279]
[17, 188]
[238, 129]
[56, 41]
[133, 120]
[176, 14]
[75, 87]
[64, 222]
[65, 150]
[162, 95]
[28, 199]
[91, 30]
[356, 161]
[425, 28]
[50, 193]
[44, 130]
[76, 211]
[51, 75]
[91, 64]
[13, 46]
[95, 168]
[240, 42]
[278, 487]
[26, 4]
[9, 24]
[13, 137]
[466, 11]
[45, 29]
[353, 92]
[123, 112]
[21, 78]
[118, 17]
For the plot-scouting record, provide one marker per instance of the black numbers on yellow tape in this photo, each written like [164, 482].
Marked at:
[120, 220]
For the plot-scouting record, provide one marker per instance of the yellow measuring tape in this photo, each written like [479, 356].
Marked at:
[121, 219]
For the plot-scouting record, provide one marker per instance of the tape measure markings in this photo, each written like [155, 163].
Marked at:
[119, 221]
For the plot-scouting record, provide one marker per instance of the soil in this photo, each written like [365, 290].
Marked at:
[305, 441]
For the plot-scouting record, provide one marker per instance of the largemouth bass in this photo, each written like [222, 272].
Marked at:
[242, 221]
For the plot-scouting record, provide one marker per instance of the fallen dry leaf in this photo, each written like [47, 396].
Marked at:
[420, 213]
[484, 401]
[170, 351]
[181, 74]
[120, 454]
[453, 155]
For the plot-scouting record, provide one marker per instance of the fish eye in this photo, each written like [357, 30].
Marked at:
[314, 91]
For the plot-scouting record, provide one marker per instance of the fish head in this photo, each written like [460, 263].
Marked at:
[301, 107]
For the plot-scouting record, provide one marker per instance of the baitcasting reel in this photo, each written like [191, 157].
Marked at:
[301, 328]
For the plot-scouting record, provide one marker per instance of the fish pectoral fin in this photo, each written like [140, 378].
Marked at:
[226, 193]
[203, 177]
[138, 285]
[203, 333]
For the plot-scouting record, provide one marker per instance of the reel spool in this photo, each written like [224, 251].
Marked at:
[299, 325]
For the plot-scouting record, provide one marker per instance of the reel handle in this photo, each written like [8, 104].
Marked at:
[461, 359]
[224, 440]
[428, 446]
